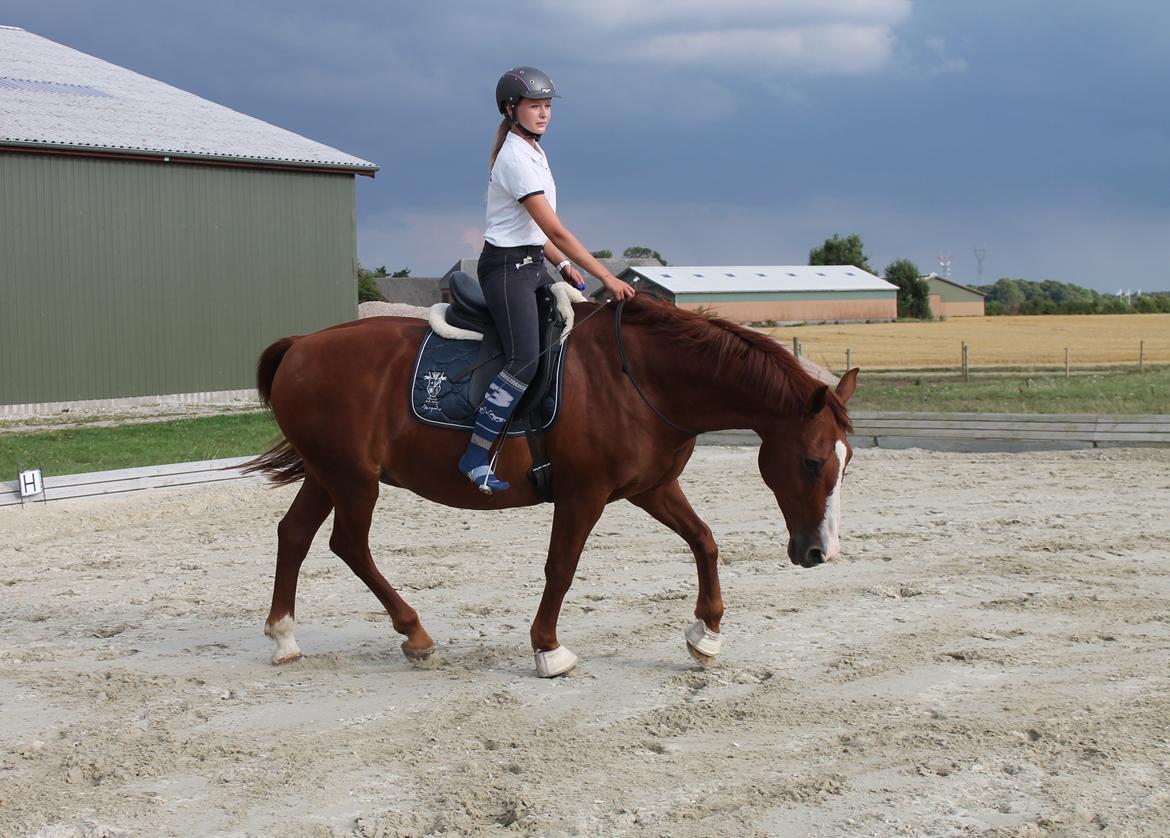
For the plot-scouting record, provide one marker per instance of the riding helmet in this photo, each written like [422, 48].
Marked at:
[523, 83]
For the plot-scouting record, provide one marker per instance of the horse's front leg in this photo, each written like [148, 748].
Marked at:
[573, 520]
[668, 504]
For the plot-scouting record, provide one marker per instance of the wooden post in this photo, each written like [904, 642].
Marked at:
[848, 359]
[1066, 362]
[796, 347]
[1142, 356]
[966, 368]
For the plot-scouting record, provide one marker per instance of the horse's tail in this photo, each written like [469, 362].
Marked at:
[282, 463]
[270, 359]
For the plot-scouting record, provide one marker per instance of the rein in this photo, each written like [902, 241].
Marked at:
[617, 327]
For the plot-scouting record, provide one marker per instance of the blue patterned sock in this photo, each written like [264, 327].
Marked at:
[503, 394]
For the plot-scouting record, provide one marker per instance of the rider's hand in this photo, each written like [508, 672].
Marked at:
[572, 276]
[620, 290]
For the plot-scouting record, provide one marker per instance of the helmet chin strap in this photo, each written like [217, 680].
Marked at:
[532, 135]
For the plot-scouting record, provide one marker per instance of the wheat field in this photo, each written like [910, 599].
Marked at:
[1092, 340]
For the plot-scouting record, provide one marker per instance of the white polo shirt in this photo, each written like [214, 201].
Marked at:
[519, 172]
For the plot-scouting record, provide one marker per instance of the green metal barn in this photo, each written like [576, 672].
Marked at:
[152, 242]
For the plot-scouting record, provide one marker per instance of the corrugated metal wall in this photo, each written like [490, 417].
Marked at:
[121, 278]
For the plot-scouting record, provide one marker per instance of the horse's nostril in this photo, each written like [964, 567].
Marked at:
[815, 555]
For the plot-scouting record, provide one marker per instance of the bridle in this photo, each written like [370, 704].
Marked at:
[617, 328]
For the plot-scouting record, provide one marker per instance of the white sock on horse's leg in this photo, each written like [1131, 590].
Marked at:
[703, 640]
[554, 662]
[281, 633]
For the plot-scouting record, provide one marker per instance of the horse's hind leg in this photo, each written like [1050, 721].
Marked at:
[295, 533]
[351, 542]
[668, 504]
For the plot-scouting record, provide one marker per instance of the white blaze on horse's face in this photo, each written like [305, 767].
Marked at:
[829, 531]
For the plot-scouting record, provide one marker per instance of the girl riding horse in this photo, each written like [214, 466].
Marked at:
[522, 229]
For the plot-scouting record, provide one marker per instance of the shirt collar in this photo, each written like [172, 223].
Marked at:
[536, 154]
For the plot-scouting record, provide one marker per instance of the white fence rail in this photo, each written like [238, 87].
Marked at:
[64, 487]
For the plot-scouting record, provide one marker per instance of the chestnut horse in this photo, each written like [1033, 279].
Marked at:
[341, 399]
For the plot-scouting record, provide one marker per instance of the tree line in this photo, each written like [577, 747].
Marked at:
[1021, 296]
[1006, 297]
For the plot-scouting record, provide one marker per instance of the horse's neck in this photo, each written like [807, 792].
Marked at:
[701, 398]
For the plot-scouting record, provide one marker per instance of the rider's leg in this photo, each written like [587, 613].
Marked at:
[503, 394]
[510, 292]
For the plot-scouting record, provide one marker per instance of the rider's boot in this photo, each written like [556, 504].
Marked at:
[503, 394]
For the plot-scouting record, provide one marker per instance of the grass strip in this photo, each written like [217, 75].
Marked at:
[80, 450]
[1104, 393]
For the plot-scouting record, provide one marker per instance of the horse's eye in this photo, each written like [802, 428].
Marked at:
[813, 466]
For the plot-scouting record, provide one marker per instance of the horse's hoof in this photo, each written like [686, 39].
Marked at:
[280, 661]
[705, 661]
[555, 662]
[703, 644]
[417, 654]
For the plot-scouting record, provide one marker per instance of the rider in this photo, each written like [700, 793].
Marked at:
[522, 229]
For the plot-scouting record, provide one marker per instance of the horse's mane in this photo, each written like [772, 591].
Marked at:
[759, 362]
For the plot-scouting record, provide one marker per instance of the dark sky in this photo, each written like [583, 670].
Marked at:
[739, 132]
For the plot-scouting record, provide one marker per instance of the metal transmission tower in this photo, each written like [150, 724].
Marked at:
[980, 252]
[944, 264]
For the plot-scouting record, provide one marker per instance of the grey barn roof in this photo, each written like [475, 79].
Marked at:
[592, 285]
[54, 97]
[411, 290]
[935, 277]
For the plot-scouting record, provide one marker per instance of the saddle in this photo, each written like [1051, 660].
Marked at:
[462, 354]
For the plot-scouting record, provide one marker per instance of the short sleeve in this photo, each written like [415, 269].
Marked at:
[518, 177]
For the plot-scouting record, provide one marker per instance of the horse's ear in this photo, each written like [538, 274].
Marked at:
[818, 400]
[847, 385]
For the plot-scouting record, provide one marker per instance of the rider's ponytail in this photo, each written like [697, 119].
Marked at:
[501, 135]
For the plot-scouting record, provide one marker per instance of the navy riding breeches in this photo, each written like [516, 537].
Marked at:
[510, 277]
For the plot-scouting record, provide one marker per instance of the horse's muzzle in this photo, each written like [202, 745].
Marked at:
[805, 556]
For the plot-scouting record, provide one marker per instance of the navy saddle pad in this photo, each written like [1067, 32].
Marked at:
[451, 377]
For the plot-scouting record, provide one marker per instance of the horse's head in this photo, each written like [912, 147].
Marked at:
[802, 460]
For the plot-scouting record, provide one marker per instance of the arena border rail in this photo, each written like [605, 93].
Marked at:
[989, 432]
[959, 432]
[118, 481]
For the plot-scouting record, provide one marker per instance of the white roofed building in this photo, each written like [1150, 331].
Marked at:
[779, 293]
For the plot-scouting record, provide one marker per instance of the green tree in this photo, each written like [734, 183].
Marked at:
[1008, 293]
[602, 254]
[398, 274]
[841, 251]
[643, 253]
[367, 285]
[913, 290]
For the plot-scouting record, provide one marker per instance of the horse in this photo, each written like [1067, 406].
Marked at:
[340, 399]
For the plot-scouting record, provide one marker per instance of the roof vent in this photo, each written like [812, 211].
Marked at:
[50, 87]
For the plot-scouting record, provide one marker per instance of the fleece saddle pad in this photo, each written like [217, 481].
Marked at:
[447, 393]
